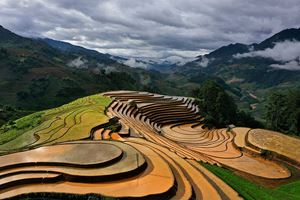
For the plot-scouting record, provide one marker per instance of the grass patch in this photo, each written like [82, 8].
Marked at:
[251, 191]
[8, 113]
[13, 129]
[291, 188]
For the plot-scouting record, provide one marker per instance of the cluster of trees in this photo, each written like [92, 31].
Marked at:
[38, 87]
[3, 53]
[27, 122]
[219, 109]
[283, 111]
[9, 113]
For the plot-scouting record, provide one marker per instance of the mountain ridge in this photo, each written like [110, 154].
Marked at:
[49, 73]
[254, 68]
[35, 75]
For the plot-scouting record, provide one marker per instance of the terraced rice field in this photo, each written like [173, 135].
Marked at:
[283, 145]
[173, 122]
[72, 121]
[154, 155]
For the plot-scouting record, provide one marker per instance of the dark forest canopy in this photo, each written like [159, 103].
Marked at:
[283, 111]
[219, 109]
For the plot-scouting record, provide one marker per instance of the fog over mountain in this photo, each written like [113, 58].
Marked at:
[286, 52]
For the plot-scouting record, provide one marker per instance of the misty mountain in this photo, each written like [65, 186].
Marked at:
[272, 62]
[162, 65]
[255, 69]
[42, 73]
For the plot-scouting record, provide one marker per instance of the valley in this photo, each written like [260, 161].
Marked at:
[79, 124]
[119, 139]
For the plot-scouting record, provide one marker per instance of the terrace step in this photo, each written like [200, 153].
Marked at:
[202, 188]
[144, 184]
[28, 178]
[224, 190]
[63, 155]
[155, 121]
[131, 161]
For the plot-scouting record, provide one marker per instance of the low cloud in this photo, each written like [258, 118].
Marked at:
[79, 63]
[109, 69]
[134, 63]
[204, 62]
[292, 65]
[178, 60]
[286, 52]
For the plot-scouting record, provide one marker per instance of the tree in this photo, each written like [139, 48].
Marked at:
[245, 119]
[283, 111]
[276, 111]
[219, 109]
[216, 106]
[3, 53]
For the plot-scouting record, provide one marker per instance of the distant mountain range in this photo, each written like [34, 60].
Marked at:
[159, 64]
[273, 61]
[254, 69]
[42, 73]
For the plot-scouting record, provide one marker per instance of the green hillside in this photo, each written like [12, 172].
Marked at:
[35, 76]
[72, 121]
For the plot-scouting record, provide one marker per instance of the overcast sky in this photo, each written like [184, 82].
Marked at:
[150, 28]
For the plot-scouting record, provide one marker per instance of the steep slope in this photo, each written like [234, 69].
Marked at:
[254, 68]
[74, 49]
[287, 34]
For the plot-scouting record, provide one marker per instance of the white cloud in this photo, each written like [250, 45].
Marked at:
[109, 69]
[291, 65]
[79, 63]
[133, 63]
[179, 60]
[286, 52]
[204, 62]
[169, 60]
[282, 51]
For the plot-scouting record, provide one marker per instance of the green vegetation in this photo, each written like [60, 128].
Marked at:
[37, 75]
[219, 109]
[9, 113]
[215, 105]
[283, 111]
[251, 191]
[252, 77]
[291, 188]
[14, 129]
[69, 122]
[114, 127]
